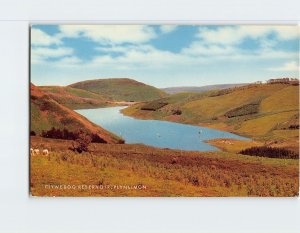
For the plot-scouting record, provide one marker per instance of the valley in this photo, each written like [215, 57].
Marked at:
[266, 113]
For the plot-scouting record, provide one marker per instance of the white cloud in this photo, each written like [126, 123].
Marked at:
[139, 56]
[145, 56]
[222, 42]
[119, 49]
[40, 38]
[234, 34]
[289, 66]
[109, 34]
[40, 54]
[168, 28]
[198, 49]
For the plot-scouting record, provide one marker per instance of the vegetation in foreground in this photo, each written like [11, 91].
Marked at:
[270, 152]
[106, 170]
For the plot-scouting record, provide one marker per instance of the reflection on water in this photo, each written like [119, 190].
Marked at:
[156, 133]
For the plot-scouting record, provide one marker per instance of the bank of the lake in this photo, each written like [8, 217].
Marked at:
[161, 134]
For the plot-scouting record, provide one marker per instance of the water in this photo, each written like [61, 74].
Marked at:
[156, 133]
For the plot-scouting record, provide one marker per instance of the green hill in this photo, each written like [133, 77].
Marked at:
[121, 89]
[268, 112]
[47, 113]
[74, 98]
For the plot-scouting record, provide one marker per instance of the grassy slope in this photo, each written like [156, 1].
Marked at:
[47, 113]
[163, 172]
[120, 89]
[74, 98]
[174, 90]
[278, 107]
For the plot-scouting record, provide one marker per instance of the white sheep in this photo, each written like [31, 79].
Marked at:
[36, 151]
[45, 152]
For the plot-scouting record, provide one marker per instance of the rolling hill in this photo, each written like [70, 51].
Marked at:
[74, 98]
[266, 112]
[121, 89]
[174, 90]
[47, 113]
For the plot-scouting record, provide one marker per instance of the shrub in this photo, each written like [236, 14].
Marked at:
[97, 139]
[176, 112]
[243, 110]
[68, 135]
[294, 127]
[67, 121]
[45, 106]
[194, 180]
[121, 141]
[82, 142]
[270, 152]
[221, 92]
[53, 133]
[32, 133]
[153, 106]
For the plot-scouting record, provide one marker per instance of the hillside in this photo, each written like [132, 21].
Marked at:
[121, 89]
[74, 98]
[266, 112]
[47, 113]
[174, 90]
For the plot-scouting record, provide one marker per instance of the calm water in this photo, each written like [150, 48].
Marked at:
[154, 132]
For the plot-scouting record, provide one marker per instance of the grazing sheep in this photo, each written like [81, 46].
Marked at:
[31, 151]
[36, 151]
[45, 152]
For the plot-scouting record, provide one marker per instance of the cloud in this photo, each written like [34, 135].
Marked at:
[289, 66]
[230, 35]
[138, 56]
[40, 38]
[224, 42]
[168, 28]
[199, 49]
[41, 54]
[109, 34]
[144, 56]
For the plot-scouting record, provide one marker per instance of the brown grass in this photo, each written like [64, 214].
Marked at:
[163, 172]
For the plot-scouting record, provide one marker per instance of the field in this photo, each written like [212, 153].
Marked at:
[138, 170]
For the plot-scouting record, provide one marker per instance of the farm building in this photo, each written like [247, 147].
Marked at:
[283, 80]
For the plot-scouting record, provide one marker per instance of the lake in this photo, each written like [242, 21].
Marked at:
[156, 133]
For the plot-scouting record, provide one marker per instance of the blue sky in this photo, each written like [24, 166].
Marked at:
[163, 55]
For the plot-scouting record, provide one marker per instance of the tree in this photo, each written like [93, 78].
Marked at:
[32, 133]
[82, 142]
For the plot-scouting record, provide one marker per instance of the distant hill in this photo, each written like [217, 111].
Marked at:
[74, 98]
[121, 89]
[268, 112]
[174, 90]
[47, 113]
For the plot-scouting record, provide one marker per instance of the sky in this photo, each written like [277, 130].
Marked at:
[164, 55]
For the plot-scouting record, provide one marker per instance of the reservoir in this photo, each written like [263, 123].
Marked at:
[156, 133]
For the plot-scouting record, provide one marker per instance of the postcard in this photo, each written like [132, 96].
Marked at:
[164, 110]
